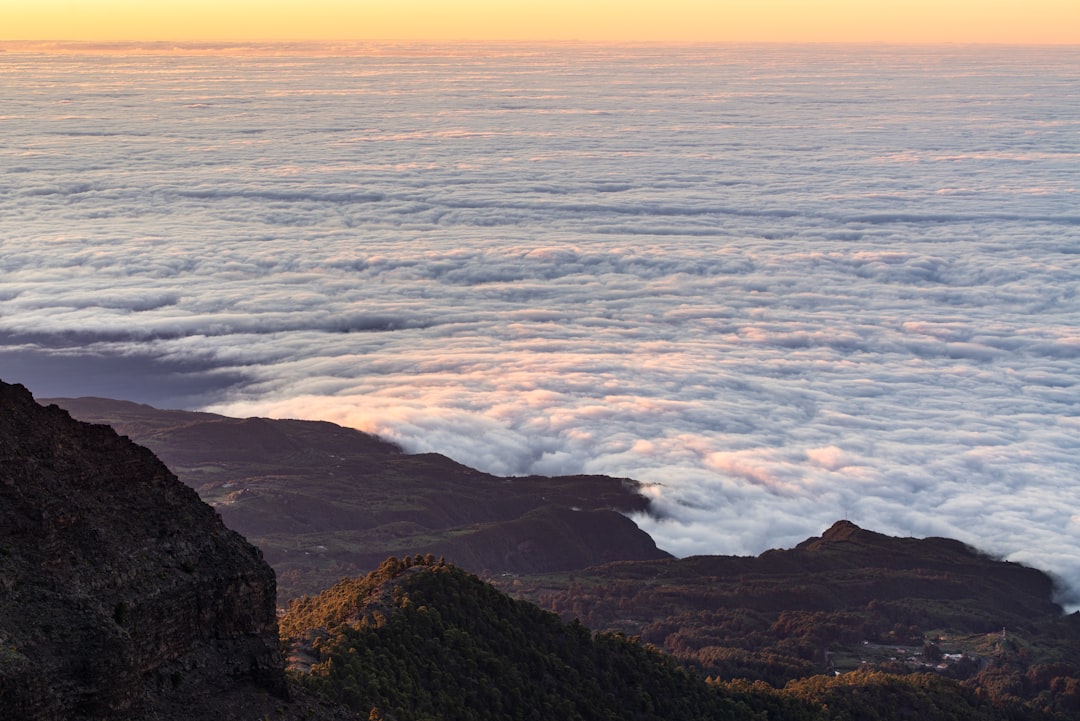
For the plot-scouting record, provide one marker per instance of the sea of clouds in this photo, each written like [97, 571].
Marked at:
[781, 285]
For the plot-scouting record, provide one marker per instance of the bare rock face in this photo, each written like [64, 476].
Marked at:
[122, 595]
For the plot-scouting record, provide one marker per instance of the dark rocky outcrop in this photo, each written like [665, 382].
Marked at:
[122, 595]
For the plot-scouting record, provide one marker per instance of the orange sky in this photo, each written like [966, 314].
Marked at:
[918, 21]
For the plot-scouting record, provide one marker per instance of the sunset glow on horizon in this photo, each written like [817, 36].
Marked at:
[909, 21]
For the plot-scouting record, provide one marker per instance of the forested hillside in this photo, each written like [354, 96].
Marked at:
[419, 639]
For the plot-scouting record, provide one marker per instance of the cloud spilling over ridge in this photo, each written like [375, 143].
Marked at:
[780, 293]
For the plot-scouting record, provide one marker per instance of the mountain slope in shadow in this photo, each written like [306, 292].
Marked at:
[323, 501]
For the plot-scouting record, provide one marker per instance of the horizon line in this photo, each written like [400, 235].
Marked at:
[210, 46]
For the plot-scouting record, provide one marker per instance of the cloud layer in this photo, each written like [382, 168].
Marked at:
[783, 286]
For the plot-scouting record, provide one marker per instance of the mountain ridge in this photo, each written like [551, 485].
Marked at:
[323, 501]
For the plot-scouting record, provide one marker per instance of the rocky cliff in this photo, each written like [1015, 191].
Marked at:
[122, 595]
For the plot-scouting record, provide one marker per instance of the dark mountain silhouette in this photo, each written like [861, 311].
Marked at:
[323, 501]
[122, 595]
[848, 600]
[945, 583]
